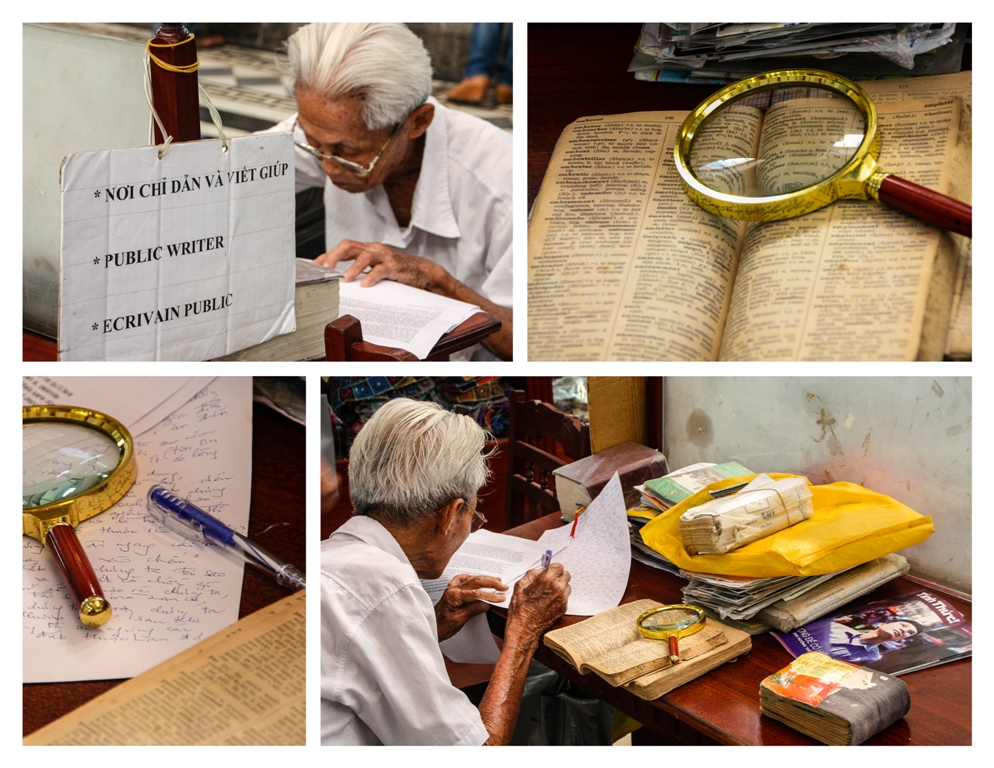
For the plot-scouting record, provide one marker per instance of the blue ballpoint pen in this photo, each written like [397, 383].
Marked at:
[181, 516]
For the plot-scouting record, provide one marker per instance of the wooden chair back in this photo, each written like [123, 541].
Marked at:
[541, 439]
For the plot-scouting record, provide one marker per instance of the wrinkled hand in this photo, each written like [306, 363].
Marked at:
[462, 600]
[384, 264]
[539, 601]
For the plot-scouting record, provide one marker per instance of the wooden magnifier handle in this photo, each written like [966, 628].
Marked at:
[78, 575]
[929, 206]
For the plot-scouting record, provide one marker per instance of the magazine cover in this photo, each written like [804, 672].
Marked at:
[894, 636]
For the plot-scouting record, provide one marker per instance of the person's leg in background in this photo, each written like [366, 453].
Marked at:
[484, 60]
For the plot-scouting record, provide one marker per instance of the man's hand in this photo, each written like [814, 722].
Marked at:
[462, 600]
[385, 264]
[539, 601]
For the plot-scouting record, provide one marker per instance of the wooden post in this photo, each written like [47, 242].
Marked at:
[174, 94]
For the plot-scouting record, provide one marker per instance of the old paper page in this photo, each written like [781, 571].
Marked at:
[848, 282]
[621, 264]
[242, 686]
[949, 311]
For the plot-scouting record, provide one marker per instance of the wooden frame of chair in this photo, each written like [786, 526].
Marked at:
[531, 487]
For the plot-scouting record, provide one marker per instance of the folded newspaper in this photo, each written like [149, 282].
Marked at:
[763, 507]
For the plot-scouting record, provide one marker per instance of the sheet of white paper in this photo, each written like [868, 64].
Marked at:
[167, 593]
[138, 403]
[473, 644]
[187, 257]
[599, 556]
[397, 315]
[485, 553]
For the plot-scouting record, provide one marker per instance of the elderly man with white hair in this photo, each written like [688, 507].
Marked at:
[414, 474]
[414, 192]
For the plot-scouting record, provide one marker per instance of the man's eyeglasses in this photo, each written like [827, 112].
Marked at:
[360, 170]
[478, 520]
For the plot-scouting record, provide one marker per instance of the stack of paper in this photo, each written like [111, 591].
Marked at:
[397, 315]
[192, 435]
[763, 507]
[669, 490]
[720, 52]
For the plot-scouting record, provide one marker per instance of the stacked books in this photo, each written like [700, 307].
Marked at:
[832, 701]
[763, 507]
[669, 490]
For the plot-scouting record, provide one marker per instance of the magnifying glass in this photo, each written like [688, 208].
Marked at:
[77, 463]
[670, 623]
[785, 143]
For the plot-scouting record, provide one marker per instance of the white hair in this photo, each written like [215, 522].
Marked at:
[385, 65]
[413, 457]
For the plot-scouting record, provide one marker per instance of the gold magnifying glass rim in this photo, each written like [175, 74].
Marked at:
[37, 521]
[860, 171]
[681, 628]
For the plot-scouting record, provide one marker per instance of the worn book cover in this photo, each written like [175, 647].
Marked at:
[833, 701]
[579, 482]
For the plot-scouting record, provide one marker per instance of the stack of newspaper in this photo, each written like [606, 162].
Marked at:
[722, 52]
[763, 507]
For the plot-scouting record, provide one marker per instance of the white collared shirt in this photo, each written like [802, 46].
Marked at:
[383, 680]
[461, 217]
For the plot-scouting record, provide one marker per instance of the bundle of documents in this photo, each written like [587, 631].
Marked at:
[832, 701]
[723, 52]
[763, 507]
[742, 598]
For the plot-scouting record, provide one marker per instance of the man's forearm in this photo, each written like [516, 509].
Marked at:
[501, 343]
[502, 701]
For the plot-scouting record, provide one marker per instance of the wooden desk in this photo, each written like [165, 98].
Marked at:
[722, 706]
[276, 521]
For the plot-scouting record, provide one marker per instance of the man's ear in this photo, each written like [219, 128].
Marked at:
[450, 515]
[420, 119]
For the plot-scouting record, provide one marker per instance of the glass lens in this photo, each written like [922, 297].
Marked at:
[776, 141]
[64, 460]
[676, 618]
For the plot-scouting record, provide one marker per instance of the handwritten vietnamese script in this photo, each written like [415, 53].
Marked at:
[167, 593]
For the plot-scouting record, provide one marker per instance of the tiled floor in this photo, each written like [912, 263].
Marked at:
[248, 86]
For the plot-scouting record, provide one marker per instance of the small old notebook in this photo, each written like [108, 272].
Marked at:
[609, 645]
[833, 701]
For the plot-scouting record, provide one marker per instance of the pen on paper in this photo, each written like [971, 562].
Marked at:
[546, 559]
[187, 519]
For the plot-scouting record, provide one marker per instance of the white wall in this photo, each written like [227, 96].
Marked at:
[909, 438]
[82, 92]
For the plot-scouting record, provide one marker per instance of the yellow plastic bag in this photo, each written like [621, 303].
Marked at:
[851, 525]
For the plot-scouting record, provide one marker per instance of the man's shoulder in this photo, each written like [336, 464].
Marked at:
[363, 571]
[478, 147]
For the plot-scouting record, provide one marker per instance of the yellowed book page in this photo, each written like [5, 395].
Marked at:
[586, 640]
[244, 685]
[849, 282]
[621, 264]
[642, 656]
[951, 331]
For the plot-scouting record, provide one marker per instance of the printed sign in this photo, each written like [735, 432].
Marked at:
[185, 258]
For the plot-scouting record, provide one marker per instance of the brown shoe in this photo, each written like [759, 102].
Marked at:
[472, 90]
[505, 94]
